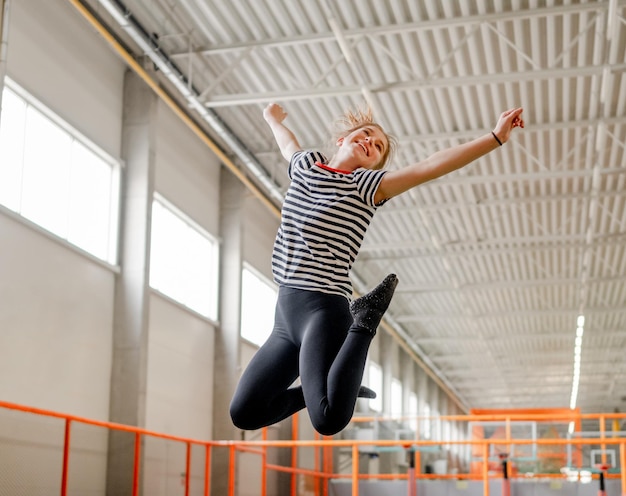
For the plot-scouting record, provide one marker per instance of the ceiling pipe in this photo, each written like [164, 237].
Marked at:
[149, 44]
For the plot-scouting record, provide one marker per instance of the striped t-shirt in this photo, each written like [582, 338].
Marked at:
[325, 215]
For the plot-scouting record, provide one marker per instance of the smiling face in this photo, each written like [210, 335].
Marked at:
[366, 146]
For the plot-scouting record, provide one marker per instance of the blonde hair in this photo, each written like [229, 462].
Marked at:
[352, 120]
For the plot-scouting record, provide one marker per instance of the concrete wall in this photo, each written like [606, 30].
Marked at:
[55, 353]
[56, 319]
[57, 305]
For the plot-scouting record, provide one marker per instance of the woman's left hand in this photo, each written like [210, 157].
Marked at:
[508, 120]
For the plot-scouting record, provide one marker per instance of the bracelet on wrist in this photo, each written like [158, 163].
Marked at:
[497, 139]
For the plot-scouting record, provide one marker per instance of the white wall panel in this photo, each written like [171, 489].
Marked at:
[56, 322]
[180, 371]
[187, 171]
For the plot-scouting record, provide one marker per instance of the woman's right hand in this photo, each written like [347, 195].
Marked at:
[274, 113]
[285, 139]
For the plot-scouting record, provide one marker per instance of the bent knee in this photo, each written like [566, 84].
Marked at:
[329, 429]
[327, 425]
[242, 416]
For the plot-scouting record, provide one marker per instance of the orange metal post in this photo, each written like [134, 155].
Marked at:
[316, 466]
[418, 462]
[486, 469]
[187, 469]
[328, 465]
[603, 436]
[355, 470]
[66, 457]
[207, 470]
[136, 464]
[231, 471]
[294, 453]
[622, 469]
[264, 464]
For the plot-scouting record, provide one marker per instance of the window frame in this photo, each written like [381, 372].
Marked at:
[75, 136]
[396, 396]
[214, 262]
[255, 272]
[376, 404]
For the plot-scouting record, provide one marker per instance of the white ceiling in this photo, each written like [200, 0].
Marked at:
[495, 261]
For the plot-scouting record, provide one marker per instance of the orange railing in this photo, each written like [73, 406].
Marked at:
[323, 472]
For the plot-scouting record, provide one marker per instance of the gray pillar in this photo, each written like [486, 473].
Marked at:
[4, 42]
[130, 333]
[227, 371]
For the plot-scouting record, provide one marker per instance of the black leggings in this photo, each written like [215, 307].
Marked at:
[311, 339]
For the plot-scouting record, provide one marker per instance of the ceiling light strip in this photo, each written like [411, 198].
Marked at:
[578, 344]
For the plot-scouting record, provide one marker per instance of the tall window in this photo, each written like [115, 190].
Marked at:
[258, 302]
[375, 382]
[396, 397]
[413, 411]
[183, 259]
[53, 176]
[426, 423]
